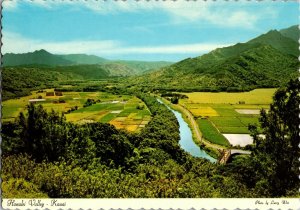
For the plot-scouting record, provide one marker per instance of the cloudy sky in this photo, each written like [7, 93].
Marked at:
[138, 30]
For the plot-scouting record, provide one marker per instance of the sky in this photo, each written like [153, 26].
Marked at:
[138, 30]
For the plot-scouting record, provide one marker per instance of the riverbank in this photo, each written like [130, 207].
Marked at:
[208, 147]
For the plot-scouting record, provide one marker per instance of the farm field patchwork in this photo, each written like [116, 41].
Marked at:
[199, 110]
[226, 113]
[123, 111]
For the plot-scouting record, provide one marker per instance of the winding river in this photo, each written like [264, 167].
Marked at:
[186, 138]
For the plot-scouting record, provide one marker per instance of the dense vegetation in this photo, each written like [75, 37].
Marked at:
[277, 154]
[45, 156]
[19, 81]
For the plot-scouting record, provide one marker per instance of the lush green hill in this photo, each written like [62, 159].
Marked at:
[266, 61]
[85, 71]
[291, 32]
[37, 57]
[19, 81]
[262, 66]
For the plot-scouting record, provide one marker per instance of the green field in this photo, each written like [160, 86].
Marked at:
[211, 133]
[123, 111]
[218, 112]
[257, 96]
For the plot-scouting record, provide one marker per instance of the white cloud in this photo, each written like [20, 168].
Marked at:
[17, 44]
[180, 11]
[168, 49]
[9, 5]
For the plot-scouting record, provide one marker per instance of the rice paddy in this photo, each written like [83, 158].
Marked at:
[122, 111]
[257, 96]
[226, 113]
[211, 133]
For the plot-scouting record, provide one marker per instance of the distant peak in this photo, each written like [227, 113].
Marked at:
[273, 31]
[42, 51]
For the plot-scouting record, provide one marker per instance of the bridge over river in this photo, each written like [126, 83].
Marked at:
[227, 153]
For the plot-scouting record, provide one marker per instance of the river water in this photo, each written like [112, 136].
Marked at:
[186, 138]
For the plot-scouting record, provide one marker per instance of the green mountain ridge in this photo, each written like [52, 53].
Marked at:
[39, 57]
[278, 41]
[268, 60]
[42, 58]
[291, 32]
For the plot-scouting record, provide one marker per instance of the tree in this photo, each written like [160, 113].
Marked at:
[277, 152]
[174, 100]
[89, 102]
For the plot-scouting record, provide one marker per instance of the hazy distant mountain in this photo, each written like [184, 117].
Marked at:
[266, 61]
[42, 58]
[83, 59]
[136, 67]
[39, 57]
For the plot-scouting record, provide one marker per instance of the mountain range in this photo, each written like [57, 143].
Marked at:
[268, 60]
[42, 58]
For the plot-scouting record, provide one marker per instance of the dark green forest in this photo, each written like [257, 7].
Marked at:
[45, 156]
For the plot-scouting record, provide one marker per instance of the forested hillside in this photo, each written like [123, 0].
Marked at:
[19, 81]
[278, 41]
[269, 60]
